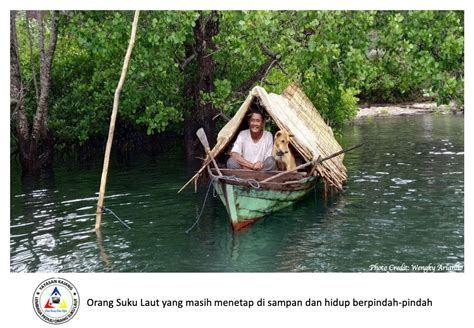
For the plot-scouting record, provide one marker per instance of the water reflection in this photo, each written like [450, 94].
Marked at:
[103, 254]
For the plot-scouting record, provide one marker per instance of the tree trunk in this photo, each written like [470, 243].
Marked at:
[16, 96]
[200, 114]
[35, 147]
[261, 73]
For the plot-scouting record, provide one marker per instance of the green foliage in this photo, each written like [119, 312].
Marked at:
[417, 53]
[93, 47]
[157, 117]
[220, 95]
[330, 64]
[336, 56]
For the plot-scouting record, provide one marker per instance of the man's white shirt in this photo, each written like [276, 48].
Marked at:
[253, 151]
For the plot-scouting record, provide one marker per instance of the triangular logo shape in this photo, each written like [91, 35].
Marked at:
[48, 305]
[56, 292]
[63, 304]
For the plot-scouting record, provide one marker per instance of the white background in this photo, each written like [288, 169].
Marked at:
[450, 292]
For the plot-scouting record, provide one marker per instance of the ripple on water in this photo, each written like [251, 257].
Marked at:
[400, 181]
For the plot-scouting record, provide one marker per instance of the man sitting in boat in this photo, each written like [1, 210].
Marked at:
[253, 148]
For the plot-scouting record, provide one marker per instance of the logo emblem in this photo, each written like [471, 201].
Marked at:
[56, 300]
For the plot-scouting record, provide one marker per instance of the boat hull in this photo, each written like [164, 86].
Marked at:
[246, 203]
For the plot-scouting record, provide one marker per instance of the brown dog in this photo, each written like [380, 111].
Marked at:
[281, 151]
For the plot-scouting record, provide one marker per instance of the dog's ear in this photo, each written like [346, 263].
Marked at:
[278, 134]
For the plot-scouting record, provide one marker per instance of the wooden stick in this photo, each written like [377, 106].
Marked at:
[214, 162]
[341, 152]
[203, 138]
[273, 177]
[193, 177]
[103, 180]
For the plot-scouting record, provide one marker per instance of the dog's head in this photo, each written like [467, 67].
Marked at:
[280, 144]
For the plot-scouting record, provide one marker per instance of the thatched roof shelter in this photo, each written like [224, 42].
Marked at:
[293, 112]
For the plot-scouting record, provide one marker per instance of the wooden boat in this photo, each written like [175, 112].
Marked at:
[247, 198]
[246, 194]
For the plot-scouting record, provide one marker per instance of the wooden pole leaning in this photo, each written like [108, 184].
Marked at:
[302, 166]
[202, 137]
[103, 180]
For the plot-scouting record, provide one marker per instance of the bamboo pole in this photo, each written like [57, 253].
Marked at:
[103, 180]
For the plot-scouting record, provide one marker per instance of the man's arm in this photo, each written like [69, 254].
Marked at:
[244, 163]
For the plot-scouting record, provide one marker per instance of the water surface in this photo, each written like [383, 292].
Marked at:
[403, 205]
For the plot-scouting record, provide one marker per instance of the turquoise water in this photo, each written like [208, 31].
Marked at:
[403, 205]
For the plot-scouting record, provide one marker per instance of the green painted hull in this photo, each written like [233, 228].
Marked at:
[246, 204]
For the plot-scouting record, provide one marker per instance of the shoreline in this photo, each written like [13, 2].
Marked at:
[379, 110]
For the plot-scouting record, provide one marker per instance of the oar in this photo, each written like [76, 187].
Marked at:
[318, 160]
[202, 137]
[340, 152]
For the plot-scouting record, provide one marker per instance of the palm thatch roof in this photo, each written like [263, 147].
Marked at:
[293, 112]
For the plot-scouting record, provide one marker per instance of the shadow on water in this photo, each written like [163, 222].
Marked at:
[403, 203]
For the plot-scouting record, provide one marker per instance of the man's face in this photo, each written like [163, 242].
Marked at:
[256, 123]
